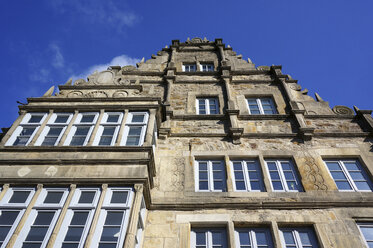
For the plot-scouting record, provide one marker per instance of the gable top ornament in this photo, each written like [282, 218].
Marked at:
[196, 40]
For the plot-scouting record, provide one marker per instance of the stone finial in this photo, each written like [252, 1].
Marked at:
[229, 46]
[304, 92]
[318, 97]
[205, 39]
[49, 92]
[142, 60]
[166, 46]
[249, 60]
[356, 109]
[69, 82]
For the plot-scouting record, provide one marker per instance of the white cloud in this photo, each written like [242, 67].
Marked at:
[121, 60]
[108, 12]
[58, 60]
[40, 75]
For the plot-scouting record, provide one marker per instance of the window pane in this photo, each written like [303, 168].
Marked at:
[288, 237]
[112, 118]
[138, 118]
[49, 141]
[351, 166]
[119, 197]
[133, 141]
[333, 166]
[110, 233]
[135, 131]
[114, 218]
[54, 131]
[35, 119]
[105, 141]
[344, 185]
[8, 217]
[19, 197]
[82, 131]
[200, 238]
[74, 234]
[305, 238]
[87, 118]
[277, 185]
[37, 233]
[255, 185]
[240, 185]
[362, 186]
[203, 185]
[79, 218]
[203, 175]
[217, 238]
[244, 238]
[108, 131]
[4, 230]
[77, 141]
[70, 245]
[87, 196]
[338, 175]
[367, 232]
[44, 218]
[261, 238]
[31, 245]
[53, 197]
[61, 119]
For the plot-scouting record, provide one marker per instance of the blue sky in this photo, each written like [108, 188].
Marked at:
[326, 45]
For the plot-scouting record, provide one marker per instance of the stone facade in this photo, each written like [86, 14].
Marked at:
[163, 170]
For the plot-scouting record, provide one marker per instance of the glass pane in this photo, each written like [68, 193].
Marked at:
[138, 118]
[344, 185]
[238, 174]
[112, 118]
[277, 185]
[61, 119]
[272, 166]
[44, 218]
[105, 141]
[217, 238]
[135, 131]
[82, 131]
[87, 118]
[21, 141]
[254, 175]
[289, 239]
[338, 175]
[274, 175]
[49, 141]
[35, 119]
[289, 175]
[203, 185]
[87, 196]
[333, 166]
[79, 218]
[240, 185]
[54, 131]
[357, 176]
[101, 245]
[367, 232]
[244, 238]
[133, 141]
[27, 131]
[202, 166]
[292, 185]
[19, 197]
[351, 166]
[70, 245]
[108, 131]
[53, 197]
[4, 230]
[114, 218]
[218, 185]
[286, 166]
[200, 238]
[218, 175]
[255, 185]
[119, 197]
[77, 141]
[74, 234]
[110, 234]
[362, 186]
[37, 233]
[261, 238]
[31, 245]
[203, 175]
[237, 166]
[304, 237]
[8, 217]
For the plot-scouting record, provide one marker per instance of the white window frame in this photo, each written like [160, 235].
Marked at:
[140, 224]
[78, 207]
[40, 207]
[108, 207]
[207, 105]
[78, 123]
[188, 66]
[14, 207]
[365, 224]
[348, 176]
[246, 175]
[24, 124]
[252, 234]
[208, 233]
[130, 124]
[50, 124]
[295, 233]
[210, 176]
[207, 65]
[282, 176]
[260, 106]
[104, 123]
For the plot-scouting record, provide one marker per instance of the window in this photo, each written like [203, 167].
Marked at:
[262, 106]
[189, 67]
[283, 176]
[27, 129]
[12, 207]
[367, 230]
[140, 224]
[78, 218]
[54, 130]
[207, 67]
[207, 106]
[112, 223]
[82, 129]
[42, 218]
[208, 238]
[134, 132]
[247, 176]
[210, 176]
[253, 238]
[302, 237]
[108, 130]
[349, 175]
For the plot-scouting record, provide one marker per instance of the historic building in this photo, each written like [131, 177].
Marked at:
[193, 148]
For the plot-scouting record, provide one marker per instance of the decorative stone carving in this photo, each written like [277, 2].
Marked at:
[120, 93]
[263, 68]
[122, 81]
[296, 87]
[313, 172]
[177, 178]
[342, 110]
[80, 82]
[128, 68]
[105, 77]
[96, 94]
[75, 93]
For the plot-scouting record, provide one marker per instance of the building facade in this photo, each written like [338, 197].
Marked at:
[194, 147]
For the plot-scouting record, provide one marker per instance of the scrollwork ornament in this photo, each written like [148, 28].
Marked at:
[80, 82]
[95, 94]
[120, 93]
[295, 87]
[74, 94]
[342, 110]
